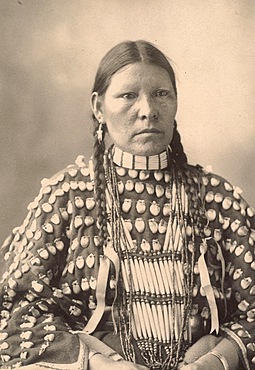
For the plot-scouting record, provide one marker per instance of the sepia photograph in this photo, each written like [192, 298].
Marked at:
[127, 185]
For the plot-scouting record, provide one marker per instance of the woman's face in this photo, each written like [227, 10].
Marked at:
[139, 108]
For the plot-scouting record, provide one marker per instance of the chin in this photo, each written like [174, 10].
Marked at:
[146, 151]
[151, 146]
[144, 147]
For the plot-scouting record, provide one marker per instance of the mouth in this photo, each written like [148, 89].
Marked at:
[149, 131]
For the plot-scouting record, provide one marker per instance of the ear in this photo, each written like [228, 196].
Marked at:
[96, 103]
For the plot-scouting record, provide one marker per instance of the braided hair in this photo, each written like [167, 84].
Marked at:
[181, 160]
[100, 184]
[177, 148]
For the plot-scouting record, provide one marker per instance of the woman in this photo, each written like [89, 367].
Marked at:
[137, 260]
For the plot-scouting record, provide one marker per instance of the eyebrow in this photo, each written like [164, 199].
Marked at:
[134, 86]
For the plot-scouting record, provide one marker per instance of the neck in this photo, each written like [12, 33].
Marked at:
[139, 162]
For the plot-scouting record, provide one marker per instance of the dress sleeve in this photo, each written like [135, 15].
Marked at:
[231, 222]
[36, 315]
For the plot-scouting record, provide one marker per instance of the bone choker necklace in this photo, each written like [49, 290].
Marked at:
[139, 162]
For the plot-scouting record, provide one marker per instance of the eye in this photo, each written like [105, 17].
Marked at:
[128, 96]
[162, 93]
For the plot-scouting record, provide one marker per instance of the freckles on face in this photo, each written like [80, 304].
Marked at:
[139, 109]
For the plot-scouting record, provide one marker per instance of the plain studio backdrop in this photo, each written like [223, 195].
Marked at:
[50, 51]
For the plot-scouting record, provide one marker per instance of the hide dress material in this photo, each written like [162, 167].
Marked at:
[178, 264]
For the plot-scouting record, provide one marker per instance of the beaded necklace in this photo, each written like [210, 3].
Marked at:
[155, 289]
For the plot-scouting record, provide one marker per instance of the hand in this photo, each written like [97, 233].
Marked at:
[203, 363]
[198, 357]
[99, 361]
[193, 366]
[201, 347]
[33, 367]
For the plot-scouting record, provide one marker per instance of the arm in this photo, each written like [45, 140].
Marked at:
[231, 224]
[98, 361]
[46, 283]
[238, 243]
[34, 310]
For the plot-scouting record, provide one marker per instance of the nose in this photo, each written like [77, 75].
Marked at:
[147, 108]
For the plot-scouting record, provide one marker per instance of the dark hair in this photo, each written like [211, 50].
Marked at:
[121, 55]
[129, 52]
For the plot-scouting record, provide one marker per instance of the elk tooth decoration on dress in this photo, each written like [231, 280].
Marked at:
[154, 283]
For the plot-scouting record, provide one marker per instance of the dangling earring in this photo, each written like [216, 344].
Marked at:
[100, 132]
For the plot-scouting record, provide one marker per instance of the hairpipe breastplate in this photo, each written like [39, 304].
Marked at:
[156, 275]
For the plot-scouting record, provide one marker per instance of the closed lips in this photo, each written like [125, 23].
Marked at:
[149, 131]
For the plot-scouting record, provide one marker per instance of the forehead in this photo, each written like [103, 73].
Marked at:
[139, 74]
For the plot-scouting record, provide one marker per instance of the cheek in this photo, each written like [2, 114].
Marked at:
[122, 118]
[167, 112]
[114, 112]
[171, 108]
[169, 132]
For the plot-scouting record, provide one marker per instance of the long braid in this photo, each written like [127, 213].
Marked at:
[181, 160]
[100, 185]
[177, 149]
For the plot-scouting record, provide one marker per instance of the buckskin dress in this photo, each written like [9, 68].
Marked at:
[52, 271]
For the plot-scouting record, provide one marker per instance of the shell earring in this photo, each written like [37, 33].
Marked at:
[100, 132]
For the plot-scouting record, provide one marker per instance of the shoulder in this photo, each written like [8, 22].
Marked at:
[73, 178]
[220, 185]
[212, 181]
[220, 192]
[76, 172]
[79, 170]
